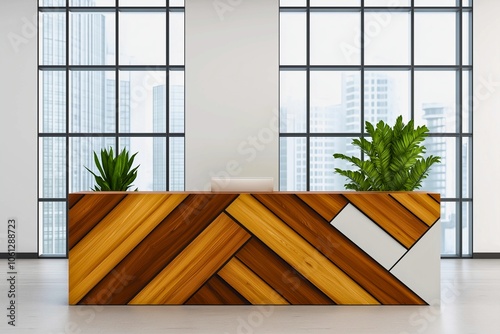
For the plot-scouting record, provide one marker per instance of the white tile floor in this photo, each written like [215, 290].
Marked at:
[470, 303]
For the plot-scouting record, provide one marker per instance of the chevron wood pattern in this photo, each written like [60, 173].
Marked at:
[226, 248]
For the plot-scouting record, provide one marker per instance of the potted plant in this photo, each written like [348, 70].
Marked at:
[116, 172]
[394, 161]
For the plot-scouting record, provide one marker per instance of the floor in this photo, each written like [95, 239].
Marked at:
[470, 303]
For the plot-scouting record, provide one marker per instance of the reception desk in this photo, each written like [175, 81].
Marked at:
[276, 248]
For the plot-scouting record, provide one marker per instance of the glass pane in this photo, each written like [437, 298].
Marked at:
[387, 3]
[387, 95]
[337, 3]
[448, 228]
[466, 38]
[142, 3]
[442, 176]
[292, 101]
[435, 100]
[139, 94]
[159, 164]
[344, 146]
[52, 46]
[293, 170]
[176, 3]
[176, 43]
[292, 38]
[435, 38]
[176, 164]
[335, 101]
[92, 3]
[292, 3]
[52, 86]
[92, 38]
[436, 3]
[53, 228]
[176, 101]
[52, 168]
[335, 38]
[466, 102]
[323, 164]
[52, 3]
[466, 168]
[466, 3]
[143, 38]
[81, 156]
[466, 229]
[145, 158]
[92, 101]
[387, 38]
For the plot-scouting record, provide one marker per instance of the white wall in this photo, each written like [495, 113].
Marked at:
[486, 198]
[18, 122]
[231, 90]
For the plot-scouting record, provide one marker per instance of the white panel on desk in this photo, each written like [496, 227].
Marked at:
[368, 236]
[420, 268]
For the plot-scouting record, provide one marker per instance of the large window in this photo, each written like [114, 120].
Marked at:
[344, 62]
[111, 74]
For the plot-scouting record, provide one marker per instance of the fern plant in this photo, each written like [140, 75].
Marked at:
[116, 173]
[394, 158]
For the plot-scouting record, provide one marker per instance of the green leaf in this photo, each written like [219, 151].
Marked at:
[116, 172]
[394, 158]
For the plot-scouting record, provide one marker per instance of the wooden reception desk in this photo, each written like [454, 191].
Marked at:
[261, 248]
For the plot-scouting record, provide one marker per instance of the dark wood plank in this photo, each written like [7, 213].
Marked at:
[279, 275]
[159, 248]
[326, 205]
[73, 199]
[85, 214]
[217, 292]
[341, 251]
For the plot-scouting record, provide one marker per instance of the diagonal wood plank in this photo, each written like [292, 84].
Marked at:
[327, 205]
[340, 250]
[159, 248]
[297, 252]
[88, 212]
[110, 241]
[390, 215]
[195, 264]
[74, 198]
[279, 275]
[421, 205]
[217, 292]
[249, 285]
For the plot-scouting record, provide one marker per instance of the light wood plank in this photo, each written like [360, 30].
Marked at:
[249, 285]
[421, 205]
[298, 252]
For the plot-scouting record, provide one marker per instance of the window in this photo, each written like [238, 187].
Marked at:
[111, 74]
[344, 62]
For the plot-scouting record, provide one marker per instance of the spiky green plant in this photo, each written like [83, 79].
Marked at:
[394, 160]
[116, 173]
